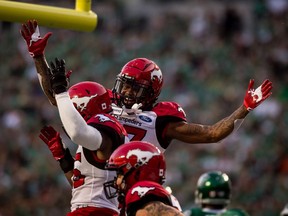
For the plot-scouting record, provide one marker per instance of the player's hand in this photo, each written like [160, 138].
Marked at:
[30, 32]
[54, 142]
[59, 78]
[254, 98]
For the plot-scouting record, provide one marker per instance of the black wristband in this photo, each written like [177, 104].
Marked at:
[60, 89]
[67, 162]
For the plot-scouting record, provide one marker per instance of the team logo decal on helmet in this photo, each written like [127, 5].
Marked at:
[180, 109]
[141, 191]
[143, 157]
[90, 98]
[157, 74]
[135, 161]
[81, 102]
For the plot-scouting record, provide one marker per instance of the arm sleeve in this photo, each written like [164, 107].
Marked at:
[76, 127]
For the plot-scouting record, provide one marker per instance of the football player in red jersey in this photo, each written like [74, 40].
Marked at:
[83, 110]
[140, 168]
[136, 91]
[135, 95]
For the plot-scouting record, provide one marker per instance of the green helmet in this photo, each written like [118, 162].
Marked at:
[234, 212]
[213, 188]
[284, 212]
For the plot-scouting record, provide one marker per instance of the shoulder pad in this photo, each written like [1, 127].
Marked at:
[169, 109]
[108, 121]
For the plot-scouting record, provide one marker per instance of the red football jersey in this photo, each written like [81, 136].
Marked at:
[89, 172]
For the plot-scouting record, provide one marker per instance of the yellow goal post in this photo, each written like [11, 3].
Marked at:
[79, 19]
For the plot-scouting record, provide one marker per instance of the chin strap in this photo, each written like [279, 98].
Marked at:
[134, 109]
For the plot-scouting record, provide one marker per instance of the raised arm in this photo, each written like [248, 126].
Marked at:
[197, 133]
[36, 46]
[76, 127]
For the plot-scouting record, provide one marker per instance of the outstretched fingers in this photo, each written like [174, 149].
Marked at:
[51, 130]
[266, 89]
[52, 65]
[266, 85]
[42, 137]
[28, 28]
[267, 93]
[24, 31]
[251, 84]
[48, 132]
[34, 23]
[58, 63]
[62, 64]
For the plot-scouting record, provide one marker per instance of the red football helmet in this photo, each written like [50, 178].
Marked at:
[137, 161]
[90, 98]
[144, 77]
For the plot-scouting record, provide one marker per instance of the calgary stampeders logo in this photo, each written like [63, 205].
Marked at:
[157, 74]
[81, 103]
[103, 118]
[143, 157]
[141, 191]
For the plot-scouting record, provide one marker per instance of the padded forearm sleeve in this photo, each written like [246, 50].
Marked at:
[76, 127]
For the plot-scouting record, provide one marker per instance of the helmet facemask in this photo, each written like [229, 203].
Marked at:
[146, 80]
[138, 93]
[111, 188]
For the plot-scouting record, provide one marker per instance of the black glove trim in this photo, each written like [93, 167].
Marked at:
[67, 162]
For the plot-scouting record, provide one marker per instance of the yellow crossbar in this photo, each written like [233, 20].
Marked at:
[80, 19]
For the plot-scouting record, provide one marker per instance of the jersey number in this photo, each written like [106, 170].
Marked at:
[78, 178]
[137, 133]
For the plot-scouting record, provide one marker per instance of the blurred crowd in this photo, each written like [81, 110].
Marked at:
[207, 50]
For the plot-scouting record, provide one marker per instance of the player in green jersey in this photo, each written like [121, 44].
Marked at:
[213, 195]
